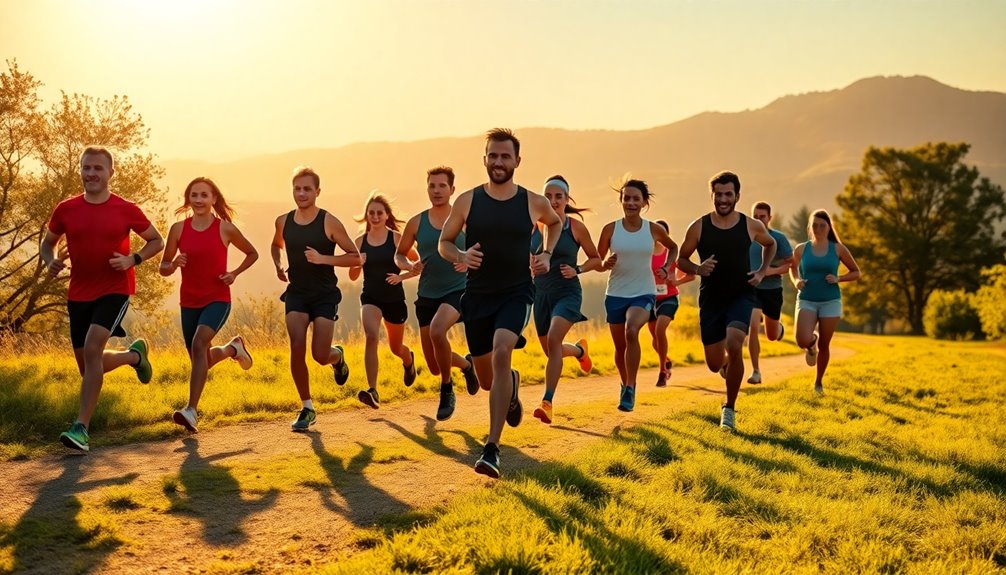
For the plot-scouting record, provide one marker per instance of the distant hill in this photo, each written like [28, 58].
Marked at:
[800, 149]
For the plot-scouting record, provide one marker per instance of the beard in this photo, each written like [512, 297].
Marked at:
[725, 210]
[506, 177]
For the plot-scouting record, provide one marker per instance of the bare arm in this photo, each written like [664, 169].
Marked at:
[661, 235]
[356, 270]
[543, 213]
[170, 263]
[471, 257]
[582, 236]
[688, 247]
[155, 243]
[47, 252]
[338, 234]
[403, 255]
[845, 256]
[276, 248]
[794, 270]
[234, 236]
[604, 244]
[760, 234]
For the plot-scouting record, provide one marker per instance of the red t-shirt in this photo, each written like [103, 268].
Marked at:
[665, 288]
[207, 261]
[94, 233]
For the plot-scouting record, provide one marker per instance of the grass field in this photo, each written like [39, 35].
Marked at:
[39, 392]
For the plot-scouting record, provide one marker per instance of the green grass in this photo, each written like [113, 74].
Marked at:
[39, 393]
[900, 468]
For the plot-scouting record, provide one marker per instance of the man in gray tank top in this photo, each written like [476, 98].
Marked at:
[441, 284]
[723, 239]
[497, 218]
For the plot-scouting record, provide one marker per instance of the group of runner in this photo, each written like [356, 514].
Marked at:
[499, 252]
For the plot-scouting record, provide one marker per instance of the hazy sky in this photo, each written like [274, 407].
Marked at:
[218, 79]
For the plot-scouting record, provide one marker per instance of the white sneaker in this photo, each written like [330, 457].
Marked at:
[755, 377]
[811, 355]
[241, 354]
[186, 418]
[728, 418]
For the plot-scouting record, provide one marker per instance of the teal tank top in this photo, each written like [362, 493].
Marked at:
[438, 278]
[813, 270]
[565, 252]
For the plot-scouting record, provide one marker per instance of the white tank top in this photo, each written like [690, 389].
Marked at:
[631, 275]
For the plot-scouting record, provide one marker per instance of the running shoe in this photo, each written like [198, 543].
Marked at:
[143, 370]
[489, 463]
[516, 411]
[369, 397]
[186, 418]
[544, 412]
[662, 379]
[447, 401]
[811, 355]
[471, 380]
[755, 377]
[584, 359]
[628, 400]
[819, 390]
[410, 371]
[306, 419]
[241, 354]
[341, 369]
[728, 419]
[75, 437]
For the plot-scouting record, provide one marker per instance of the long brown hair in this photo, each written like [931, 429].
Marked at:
[823, 214]
[224, 211]
[393, 222]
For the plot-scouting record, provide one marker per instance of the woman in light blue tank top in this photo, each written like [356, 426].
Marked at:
[819, 301]
[631, 291]
[558, 294]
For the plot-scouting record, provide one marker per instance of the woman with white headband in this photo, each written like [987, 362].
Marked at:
[558, 294]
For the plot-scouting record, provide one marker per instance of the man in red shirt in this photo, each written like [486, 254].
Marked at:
[97, 226]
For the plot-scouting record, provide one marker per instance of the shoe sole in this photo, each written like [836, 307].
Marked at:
[448, 416]
[483, 468]
[408, 379]
[516, 407]
[143, 360]
[472, 388]
[246, 354]
[180, 420]
[367, 399]
[301, 429]
[540, 414]
[71, 444]
[624, 408]
[582, 344]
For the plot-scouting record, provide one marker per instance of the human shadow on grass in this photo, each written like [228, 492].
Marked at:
[585, 522]
[49, 536]
[211, 494]
[364, 502]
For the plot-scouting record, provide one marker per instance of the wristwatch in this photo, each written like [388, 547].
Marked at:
[578, 269]
[137, 259]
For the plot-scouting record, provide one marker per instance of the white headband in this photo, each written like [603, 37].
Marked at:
[559, 183]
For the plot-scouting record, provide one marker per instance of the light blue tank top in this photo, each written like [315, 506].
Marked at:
[813, 270]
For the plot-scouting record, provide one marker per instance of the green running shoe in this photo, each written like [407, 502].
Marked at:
[306, 419]
[143, 370]
[76, 437]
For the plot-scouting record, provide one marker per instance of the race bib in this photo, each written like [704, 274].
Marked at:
[661, 289]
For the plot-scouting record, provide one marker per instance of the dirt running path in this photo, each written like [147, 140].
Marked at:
[259, 494]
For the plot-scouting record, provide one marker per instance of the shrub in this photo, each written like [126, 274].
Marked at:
[952, 315]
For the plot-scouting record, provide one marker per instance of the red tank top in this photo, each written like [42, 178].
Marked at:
[665, 288]
[207, 261]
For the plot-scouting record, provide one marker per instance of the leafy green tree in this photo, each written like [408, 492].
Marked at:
[39, 167]
[991, 302]
[952, 315]
[918, 220]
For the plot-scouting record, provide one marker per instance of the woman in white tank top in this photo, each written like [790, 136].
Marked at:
[631, 290]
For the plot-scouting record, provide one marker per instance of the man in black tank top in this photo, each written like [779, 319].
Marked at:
[723, 239]
[498, 218]
[309, 235]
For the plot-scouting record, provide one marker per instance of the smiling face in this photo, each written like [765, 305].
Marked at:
[95, 172]
[632, 200]
[725, 198]
[819, 228]
[557, 197]
[377, 215]
[500, 161]
[201, 198]
[439, 189]
[305, 194]
[762, 216]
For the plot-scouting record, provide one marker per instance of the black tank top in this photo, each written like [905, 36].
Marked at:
[305, 277]
[732, 250]
[503, 229]
[380, 263]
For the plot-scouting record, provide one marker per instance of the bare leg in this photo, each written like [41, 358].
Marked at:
[635, 319]
[754, 346]
[370, 316]
[502, 387]
[443, 321]
[296, 328]
[618, 338]
[827, 325]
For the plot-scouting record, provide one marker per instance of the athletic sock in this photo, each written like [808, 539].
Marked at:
[548, 395]
[445, 387]
[309, 404]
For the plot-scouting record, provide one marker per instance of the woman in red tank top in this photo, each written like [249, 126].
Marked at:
[198, 246]
[667, 304]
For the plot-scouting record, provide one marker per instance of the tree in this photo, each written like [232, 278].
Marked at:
[991, 302]
[39, 161]
[919, 220]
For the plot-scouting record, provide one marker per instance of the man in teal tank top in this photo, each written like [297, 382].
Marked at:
[441, 284]
[768, 294]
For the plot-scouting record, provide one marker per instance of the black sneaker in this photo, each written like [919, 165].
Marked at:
[471, 380]
[489, 463]
[516, 411]
[341, 369]
[410, 371]
[369, 397]
[447, 400]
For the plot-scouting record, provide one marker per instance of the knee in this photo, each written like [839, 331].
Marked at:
[322, 357]
[371, 337]
[632, 335]
[200, 346]
[93, 351]
[438, 336]
[735, 345]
